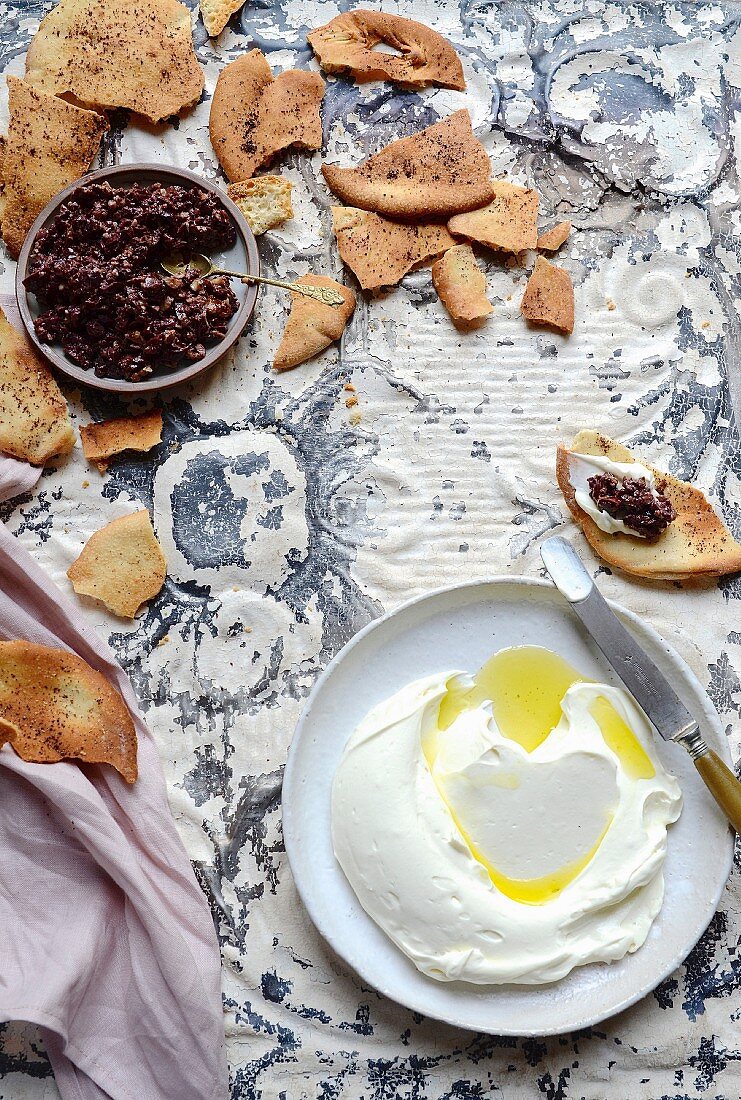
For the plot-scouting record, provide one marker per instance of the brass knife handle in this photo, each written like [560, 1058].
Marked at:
[722, 784]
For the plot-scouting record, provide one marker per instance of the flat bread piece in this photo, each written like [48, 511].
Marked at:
[552, 239]
[346, 45]
[508, 222]
[435, 173]
[122, 565]
[265, 201]
[549, 297]
[254, 116]
[54, 706]
[379, 251]
[312, 326]
[217, 13]
[118, 53]
[461, 286]
[696, 544]
[34, 423]
[50, 144]
[103, 440]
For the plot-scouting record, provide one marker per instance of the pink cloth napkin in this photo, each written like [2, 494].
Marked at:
[106, 941]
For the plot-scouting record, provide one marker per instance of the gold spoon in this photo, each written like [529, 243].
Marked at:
[175, 265]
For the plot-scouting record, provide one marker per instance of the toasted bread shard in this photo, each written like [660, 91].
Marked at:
[122, 565]
[34, 424]
[255, 116]
[102, 440]
[552, 239]
[50, 144]
[461, 286]
[380, 251]
[217, 13]
[696, 544]
[508, 222]
[549, 297]
[312, 326]
[265, 201]
[346, 45]
[118, 53]
[435, 173]
[54, 706]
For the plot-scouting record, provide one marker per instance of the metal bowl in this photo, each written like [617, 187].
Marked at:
[242, 256]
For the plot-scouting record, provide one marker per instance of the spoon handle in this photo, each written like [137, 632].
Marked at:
[325, 294]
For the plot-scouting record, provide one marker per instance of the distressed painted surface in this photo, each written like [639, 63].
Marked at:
[289, 522]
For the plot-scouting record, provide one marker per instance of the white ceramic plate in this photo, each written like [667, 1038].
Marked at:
[458, 628]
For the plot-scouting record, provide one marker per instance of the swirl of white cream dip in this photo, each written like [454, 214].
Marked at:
[582, 467]
[424, 846]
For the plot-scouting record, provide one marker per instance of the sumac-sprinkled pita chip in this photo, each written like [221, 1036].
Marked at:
[435, 173]
[346, 45]
[696, 544]
[216, 14]
[265, 201]
[254, 116]
[125, 433]
[461, 285]
[507, 223]
[312, 326]
[34, 425]
[50, 143]
[552, 239]
[549, 297]
[380, 251]
[118, 53]
[54, 706]
[122, 565]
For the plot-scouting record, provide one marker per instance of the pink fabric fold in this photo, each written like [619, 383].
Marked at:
[106, 940]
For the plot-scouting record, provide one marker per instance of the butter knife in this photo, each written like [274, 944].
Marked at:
[646, 684]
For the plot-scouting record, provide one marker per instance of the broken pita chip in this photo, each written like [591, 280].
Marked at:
[50, 144]
[347, 45]
[217, 13]
[552, 239]
[435, 173]
[34, 425]
[312, 326]
[54, 706]
[461, 286]
[695, 545]
[107, 438]
[549, 297]
[379, 251]
[254, 116]
[507, 223]
[118, 53]
[122, 565]
[265, 201]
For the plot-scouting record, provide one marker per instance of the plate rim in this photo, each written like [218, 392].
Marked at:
[290, 830]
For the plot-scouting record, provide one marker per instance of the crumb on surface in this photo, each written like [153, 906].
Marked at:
[351, 401]
[610, 304]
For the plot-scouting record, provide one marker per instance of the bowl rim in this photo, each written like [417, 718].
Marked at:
[180, 374]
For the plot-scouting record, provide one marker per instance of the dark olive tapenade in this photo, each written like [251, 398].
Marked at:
[633, 501]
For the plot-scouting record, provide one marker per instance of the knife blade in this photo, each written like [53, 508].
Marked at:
[648, 686]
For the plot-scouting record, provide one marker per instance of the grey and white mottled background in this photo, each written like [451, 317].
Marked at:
[290, 520]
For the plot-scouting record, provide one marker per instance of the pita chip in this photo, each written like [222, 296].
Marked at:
[507, 223]
[118, 53]
[107, 438]
[217, 13]
[122, 565]
[265, 201]
[50, 144]
[54, 706]
[549, 297]
[461, 286]
[379, 251]
[347, 45]
[695, 545]
[312, 326]
[254, 115]
[552, 239]
[34, 425]
[435, 173]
